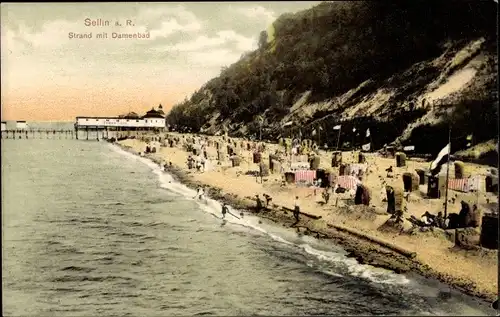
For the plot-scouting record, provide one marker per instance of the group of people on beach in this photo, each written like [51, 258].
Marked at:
[196, 162]
[200, 195]
[467, 217]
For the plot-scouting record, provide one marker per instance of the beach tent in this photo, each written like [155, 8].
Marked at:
[314, 162]
[343, 169]
[235, 161]
[257, 157]
[336, 158]
[324, 176]
[489, 231]
[421, 176]
[400, 159]
[411, 182]
[361, 158]
[491, 182]
[395, 200]
[263, 169]
[276, 166]
[389, 151]
[459, 169]
[362, 196]
[221, 156]
[290, 177]
[272, 158]
[436, 186]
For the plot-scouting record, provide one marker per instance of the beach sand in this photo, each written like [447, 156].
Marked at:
[473, 271]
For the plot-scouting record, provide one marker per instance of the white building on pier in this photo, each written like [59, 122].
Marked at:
[152, 120]
[21, 125]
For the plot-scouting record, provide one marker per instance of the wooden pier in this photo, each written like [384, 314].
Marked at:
[78, 134]
[38, 134]
[102, 133]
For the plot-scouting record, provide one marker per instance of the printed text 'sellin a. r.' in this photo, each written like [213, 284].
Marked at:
[102, 22]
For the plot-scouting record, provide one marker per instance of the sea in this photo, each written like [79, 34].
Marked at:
[91, 230]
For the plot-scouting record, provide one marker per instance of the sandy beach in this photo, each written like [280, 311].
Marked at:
[474, 271]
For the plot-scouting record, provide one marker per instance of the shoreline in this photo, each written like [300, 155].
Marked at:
[357, 244]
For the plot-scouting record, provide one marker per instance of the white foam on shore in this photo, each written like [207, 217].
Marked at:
[211, 206]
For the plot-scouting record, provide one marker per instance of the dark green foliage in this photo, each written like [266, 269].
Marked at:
[334, 47]
[263, 40]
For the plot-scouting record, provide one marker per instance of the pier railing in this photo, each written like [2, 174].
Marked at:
[38, 134]
[77, 133]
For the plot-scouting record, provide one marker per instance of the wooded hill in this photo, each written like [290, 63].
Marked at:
[403, 69]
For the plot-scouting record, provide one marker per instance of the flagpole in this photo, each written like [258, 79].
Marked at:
[371, 142]
[319, 136]
[447, 174]
[353, 136]
[338, 139]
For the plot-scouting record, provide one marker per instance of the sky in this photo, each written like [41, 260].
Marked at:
[48, 76]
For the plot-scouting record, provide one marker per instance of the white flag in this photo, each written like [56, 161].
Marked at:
[320, 128]
[314, 132]
[337, 127]
[445, 151]
[366, 147]
[353, 129]
[367, 132]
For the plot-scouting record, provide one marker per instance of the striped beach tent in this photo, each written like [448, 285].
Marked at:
[458, 184]
[465, 184]
[306, 176]
[347, 182]
[475, 183]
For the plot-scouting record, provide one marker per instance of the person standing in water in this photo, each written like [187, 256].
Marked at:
[224, 210]
[200, 194]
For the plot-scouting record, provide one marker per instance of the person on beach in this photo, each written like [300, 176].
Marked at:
[296, 208]
[258, 206]
[200, 194]
[326, 195]
[224, 210]
[440, 220]
[315, 185]
[268, 199]
[198, 163]
[389, 172]
[426, 219]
